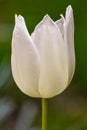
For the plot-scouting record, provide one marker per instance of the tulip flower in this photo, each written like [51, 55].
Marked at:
[43, 63]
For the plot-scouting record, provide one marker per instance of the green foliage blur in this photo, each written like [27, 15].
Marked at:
[67, 111]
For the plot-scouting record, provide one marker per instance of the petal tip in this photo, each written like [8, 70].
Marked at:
[62, 18]
[47, 18]
[69, 9]
[15, 18]
[69, 13]
[69, 6]
[19, 19]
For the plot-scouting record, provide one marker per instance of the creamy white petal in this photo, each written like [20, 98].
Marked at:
[25, 59]
[36, 37]
[60, 25]
[53, 69]
[69, 41]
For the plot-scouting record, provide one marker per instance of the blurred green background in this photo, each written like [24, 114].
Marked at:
[67, 111]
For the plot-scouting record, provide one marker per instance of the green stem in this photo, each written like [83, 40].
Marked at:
[44, 114]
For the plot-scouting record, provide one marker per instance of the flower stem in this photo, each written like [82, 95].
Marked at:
[44, 114]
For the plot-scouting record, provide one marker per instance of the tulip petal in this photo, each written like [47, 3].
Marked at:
[25, 59]
[69, 41]
[36, 37]
[53, 70]
[60, 25]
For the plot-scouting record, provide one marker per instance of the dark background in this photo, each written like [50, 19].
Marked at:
[67, 111]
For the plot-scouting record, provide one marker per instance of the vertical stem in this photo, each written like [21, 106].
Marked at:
[44, 114]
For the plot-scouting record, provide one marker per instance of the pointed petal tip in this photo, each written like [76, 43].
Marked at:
[16, 18]
[69, 6]
[19, 19]
[62, 17]
[47, 19]
[69, 9]
[46, 16]
[69, 13]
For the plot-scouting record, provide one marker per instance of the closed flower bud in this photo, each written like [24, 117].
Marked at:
[43, 63]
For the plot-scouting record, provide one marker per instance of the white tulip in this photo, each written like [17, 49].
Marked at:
[43, 63]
